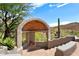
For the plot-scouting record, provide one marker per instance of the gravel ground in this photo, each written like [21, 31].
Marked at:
[76, 52]
[41, 52]
[49, 52]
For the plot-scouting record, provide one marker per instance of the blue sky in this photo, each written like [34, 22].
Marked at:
[50, 12]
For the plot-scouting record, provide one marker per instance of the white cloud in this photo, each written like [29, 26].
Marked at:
[58, 5]
[54, 4]
[51, 5]
[61, 5]
[61, 23]
[37, 5]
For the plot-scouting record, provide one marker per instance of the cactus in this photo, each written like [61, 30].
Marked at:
[58, 28]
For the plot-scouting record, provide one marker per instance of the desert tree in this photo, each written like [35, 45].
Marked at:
[11, 15]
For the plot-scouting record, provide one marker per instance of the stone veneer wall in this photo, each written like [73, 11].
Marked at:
[41, 44]
[60, 41]
[54, 43]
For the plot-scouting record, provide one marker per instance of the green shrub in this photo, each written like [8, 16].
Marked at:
[40, 37]
[1, 41]
[9, 42]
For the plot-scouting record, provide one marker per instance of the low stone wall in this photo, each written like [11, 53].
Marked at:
[41, 44]
[66, 49]
[53, 43]
[60, 41]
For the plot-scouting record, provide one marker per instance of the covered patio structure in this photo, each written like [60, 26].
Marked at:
[29, 27]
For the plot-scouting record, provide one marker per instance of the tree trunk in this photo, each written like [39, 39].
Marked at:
[7, 30]
[6, 33]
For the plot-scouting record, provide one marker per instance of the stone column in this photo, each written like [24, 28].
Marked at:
[49, 35]
[31, 40]
[49, 38]
[19, 41]
[19, 38]
[27, 35]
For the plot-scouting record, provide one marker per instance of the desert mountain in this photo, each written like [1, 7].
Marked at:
[70, 26]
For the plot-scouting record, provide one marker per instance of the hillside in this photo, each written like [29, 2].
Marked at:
[70, 26]
[68, 29]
